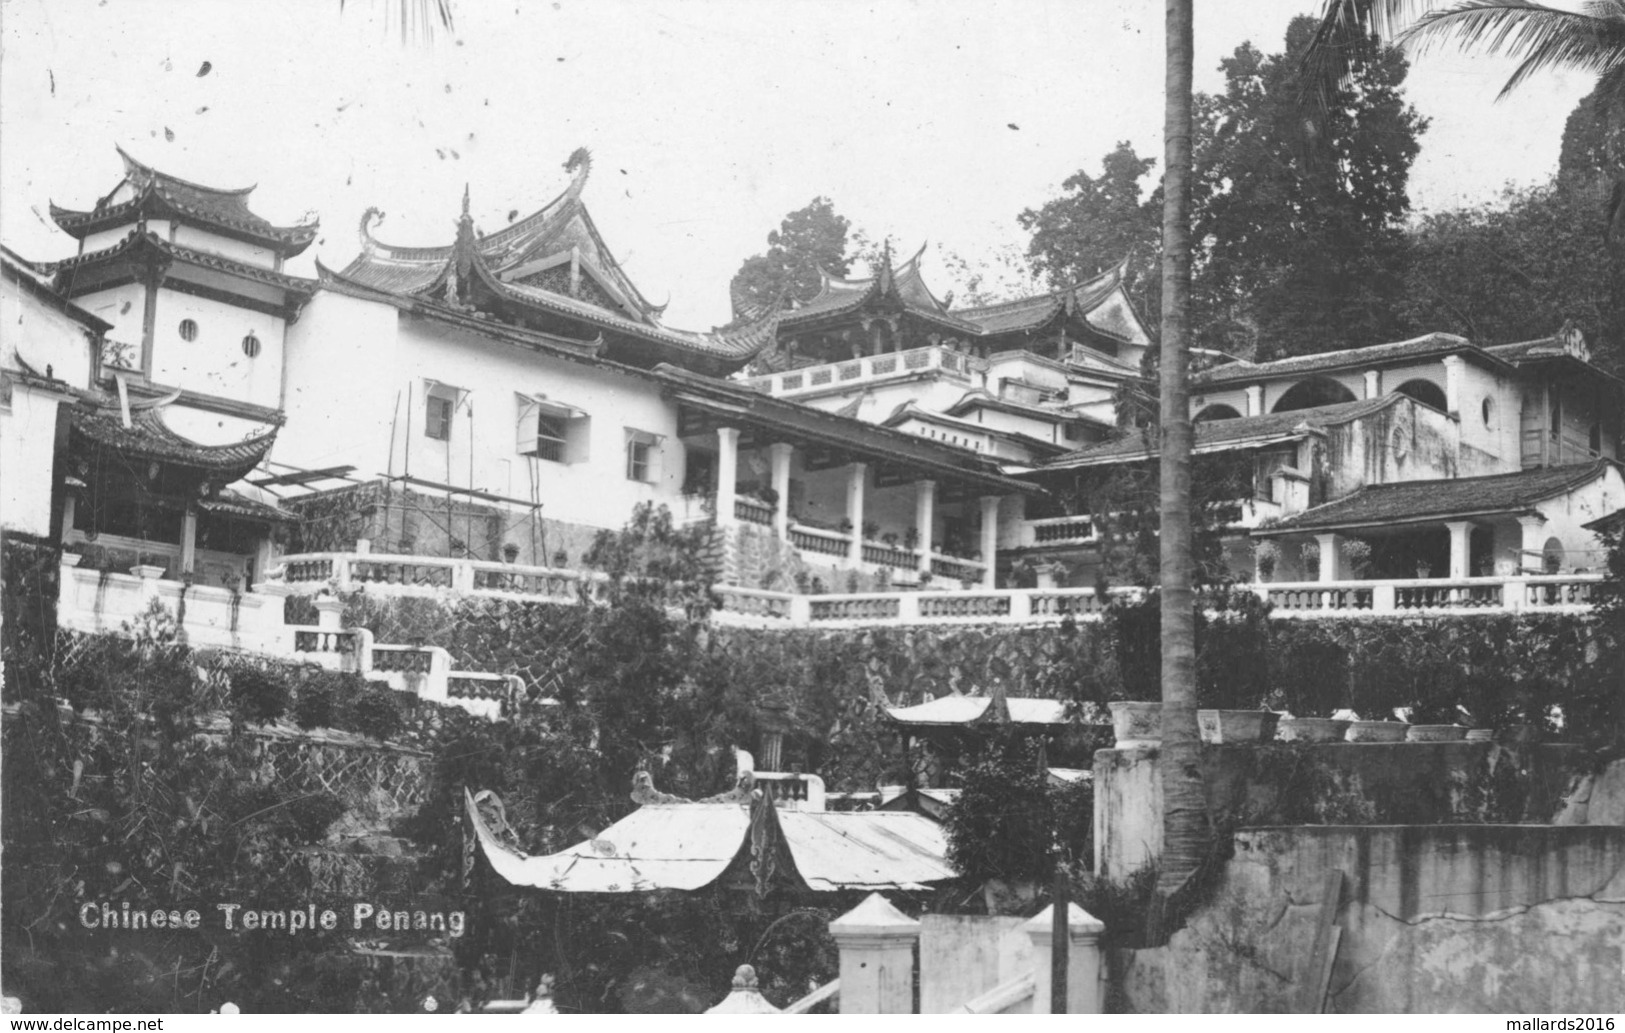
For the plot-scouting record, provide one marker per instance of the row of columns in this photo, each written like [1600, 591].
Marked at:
[1531, 540]
[857, 482]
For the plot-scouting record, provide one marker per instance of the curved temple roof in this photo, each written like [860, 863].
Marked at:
[158, 194]
[1096, 301]
[149, 437]
[553, 262]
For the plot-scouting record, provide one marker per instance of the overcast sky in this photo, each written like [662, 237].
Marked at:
[708, 120]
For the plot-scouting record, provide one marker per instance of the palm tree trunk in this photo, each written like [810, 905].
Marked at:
[1184, 814]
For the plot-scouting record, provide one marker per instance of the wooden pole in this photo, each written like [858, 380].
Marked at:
[1060, 939]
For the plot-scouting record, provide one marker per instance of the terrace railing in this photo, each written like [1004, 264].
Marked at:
[865, 369]
[1308, 599]
[388, 574]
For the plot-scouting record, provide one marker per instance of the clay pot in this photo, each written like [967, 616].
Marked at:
[1136, 724]
[1233, 726]
[1377, 731]
[1436, 733]
[1313, 729]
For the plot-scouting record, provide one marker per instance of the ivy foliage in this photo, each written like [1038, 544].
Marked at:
[1009, 822]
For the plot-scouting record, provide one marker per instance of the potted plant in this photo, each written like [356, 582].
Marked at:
[911, 539]
[871, 529]
[845, 526]
[510, 553]
[890, 539]
[1266, 554]
[1378, 678]
[769, 496]
[1357, 554]
[1136, 724]
[1435, 721]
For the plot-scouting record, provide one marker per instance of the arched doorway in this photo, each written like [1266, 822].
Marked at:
[1218, 412]
[1308, 394]
[1426, 392]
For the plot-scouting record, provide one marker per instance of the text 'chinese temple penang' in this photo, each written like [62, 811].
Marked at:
[464, 415]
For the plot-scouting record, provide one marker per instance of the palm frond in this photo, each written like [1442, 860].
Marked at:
[1544, 38]
[1344, 36]
[416, 17]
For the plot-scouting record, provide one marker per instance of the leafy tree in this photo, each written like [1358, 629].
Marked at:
[809, 239]
[1299, 217]
[1518, 270]
[1097, 222]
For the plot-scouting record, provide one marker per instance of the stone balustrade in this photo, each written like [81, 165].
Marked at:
[389, 574]
[1308, 599]
[863, 370]
[210, 616]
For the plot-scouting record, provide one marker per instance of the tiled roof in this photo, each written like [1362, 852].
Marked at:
[1029, 313]
[158, 193]
[150, 438]
[1375, 355]
[1439, 499]
[1223, 435]
[191, 256]
[795, 419]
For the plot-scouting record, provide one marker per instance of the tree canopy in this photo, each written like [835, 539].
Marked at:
[807, 240]
[1297, 214]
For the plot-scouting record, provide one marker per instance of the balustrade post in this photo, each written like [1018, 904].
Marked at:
[329, 613]
[1021, 604]
[876, 942]
[800, 610]
[908, 607]
[361, 660]
[1514, 593]
[1083, 960]
[343, 575]
[462, 577]
[1383, 598]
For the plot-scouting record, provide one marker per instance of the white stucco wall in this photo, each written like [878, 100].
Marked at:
[215, 363]
[202, 240]
[43, 335]
[27, 449]
[357, 373]
[122, 306]
[1566, 515]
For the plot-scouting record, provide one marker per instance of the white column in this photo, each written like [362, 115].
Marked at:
[1328, 556]
[1255, 399]
[876, 942]
[780, 453]
[329, 613]
[189, 540]
[1373, 383]
[69, 502]
[990, 540]
[1453, 367]
[1461, 536]
[1534, 541]
[727, 473]
[1083, 961]
[264, 558]
[925, 516]
[857, 478]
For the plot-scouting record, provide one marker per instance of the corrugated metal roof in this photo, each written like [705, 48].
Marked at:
[673, 846]
[964, 710]
[687, 846]
[866, 849]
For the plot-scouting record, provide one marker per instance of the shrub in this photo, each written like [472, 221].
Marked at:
[260, 694]
[1232, 664]
[375, 712]
[316, 706]
[1008, 819]
[311, 815]
[1308, 669]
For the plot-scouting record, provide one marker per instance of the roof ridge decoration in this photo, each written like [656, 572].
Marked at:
[225, 209]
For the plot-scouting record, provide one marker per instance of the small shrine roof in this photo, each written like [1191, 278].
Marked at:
[159, 194]
[1413, 501]
[967, 710]
[149, 437]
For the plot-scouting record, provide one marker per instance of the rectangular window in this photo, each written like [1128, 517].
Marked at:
[552, 430]
[642, 455]
[637, 460]
[437, 418]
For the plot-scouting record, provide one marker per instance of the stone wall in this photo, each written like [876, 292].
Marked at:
[1334, 783]
[964, 956]
[1515, 919]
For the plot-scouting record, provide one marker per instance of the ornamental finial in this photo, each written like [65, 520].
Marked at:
[465, 200]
